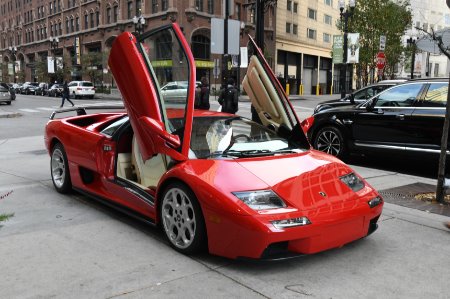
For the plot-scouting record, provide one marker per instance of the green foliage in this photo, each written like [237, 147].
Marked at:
[4, 217]
[92, 66]
[373, 18]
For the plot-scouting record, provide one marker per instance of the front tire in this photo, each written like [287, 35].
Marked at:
[59, 169]
[330, 140]
[182, 219]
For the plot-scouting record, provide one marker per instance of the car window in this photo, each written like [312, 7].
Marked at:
[361, 94]
[86, 84]
[112, 128]
[3, 89]
[436, 95]
[401, 96]
[168, 63]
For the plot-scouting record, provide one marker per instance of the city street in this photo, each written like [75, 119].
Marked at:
[68, 246]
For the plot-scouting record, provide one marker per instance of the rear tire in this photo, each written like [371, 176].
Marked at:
[59, 169]
[330, 140]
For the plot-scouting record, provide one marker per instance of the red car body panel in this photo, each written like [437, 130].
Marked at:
[308, 182]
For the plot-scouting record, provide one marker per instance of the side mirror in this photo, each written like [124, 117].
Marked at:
[352, 98]
[157, 128]
[158, 140]
[370, 104]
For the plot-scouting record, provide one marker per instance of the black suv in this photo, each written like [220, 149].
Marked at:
[406, 118]
[359, 96]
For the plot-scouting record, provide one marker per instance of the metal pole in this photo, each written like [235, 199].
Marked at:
[442, 157]
[14, 65]
[260, 24]
[344, 16]
[413, 58]
[225, 43]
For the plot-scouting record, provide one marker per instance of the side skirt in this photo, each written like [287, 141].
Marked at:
[117, 206]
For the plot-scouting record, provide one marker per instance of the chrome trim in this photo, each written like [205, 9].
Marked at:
[394, 108]
[394, 147]
[347, 121]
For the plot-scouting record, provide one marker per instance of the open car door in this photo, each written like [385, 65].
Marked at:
[141, 65]
[268, 97]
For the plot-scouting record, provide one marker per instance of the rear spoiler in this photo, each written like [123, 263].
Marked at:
[82, 110]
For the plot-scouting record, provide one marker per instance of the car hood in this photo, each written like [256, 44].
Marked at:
[306, 181]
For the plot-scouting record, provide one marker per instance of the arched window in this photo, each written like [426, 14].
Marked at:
[201, 47]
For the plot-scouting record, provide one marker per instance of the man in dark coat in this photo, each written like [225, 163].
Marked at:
[66, 95]
[229, 98]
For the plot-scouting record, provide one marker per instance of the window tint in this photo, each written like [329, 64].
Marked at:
[436, 95]
[112, 128]
[86, 84]
[401, 96]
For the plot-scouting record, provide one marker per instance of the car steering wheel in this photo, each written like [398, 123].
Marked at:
[247, 138]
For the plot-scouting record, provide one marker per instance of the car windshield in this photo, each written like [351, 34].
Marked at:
[235, 137]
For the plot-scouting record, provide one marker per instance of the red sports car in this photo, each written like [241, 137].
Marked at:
[215, 181]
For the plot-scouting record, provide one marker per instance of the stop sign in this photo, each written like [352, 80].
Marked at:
[381, 60]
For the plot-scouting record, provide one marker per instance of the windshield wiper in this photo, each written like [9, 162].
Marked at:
[287, 151]
[225, 153]
[241, 154]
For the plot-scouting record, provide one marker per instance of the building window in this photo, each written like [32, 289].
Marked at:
[201, 46]
[116, 13]
[138, 7]
[326, 37]
[67, 27]
[436, 69]
[294, 29]
[289, 5]
[328, 2]
[154, 6]
[129, 10]
[295, 7]
[311, 33]
[92, 19]
[211, 7]
[86, 21]
[288, 27]
[77, 23]
[72, 27]
[425, 27]
[97, 18]
[327, 19]
[108, 15]
[199, 5]
[312, 14]
[60, 28]
[51, 8]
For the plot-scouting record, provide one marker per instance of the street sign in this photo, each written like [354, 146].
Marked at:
[381, 60]
[382, 42]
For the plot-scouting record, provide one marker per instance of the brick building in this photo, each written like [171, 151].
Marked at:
[90, 26]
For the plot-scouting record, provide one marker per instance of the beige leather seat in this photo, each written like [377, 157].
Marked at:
[148, 172]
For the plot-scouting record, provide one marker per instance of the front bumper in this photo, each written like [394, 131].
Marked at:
[254, 237]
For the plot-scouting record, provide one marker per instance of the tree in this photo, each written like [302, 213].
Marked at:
[373, 18]
[42, 70]
[92, 66]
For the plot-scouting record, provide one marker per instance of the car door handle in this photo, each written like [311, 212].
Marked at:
[400, 116]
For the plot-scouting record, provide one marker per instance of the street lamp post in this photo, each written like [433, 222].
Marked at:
[139, 22]
[345, 15]
[412, 42]
[54, 45]
[13, 51]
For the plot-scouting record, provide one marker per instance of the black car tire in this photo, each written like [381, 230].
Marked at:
[59, 169]
[8, 103]
[182, 219]
[329, 140]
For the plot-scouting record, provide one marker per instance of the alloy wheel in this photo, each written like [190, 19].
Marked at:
[330, 142]
[58, 168]
[179, 218]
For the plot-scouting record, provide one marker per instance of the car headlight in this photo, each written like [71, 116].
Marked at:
[352, 181]
[260, 200]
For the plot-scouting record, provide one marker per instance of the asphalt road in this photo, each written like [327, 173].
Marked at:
[67, 246]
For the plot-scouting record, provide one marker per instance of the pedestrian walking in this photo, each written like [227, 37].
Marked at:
[66, 95]
[229, 98]
[204, 94]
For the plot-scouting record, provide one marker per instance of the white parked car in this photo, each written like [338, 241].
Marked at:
[79, 89]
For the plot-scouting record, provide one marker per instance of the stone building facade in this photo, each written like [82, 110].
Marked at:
[90, 26]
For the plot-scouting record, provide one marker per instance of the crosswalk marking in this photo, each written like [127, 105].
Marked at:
[29, 110]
